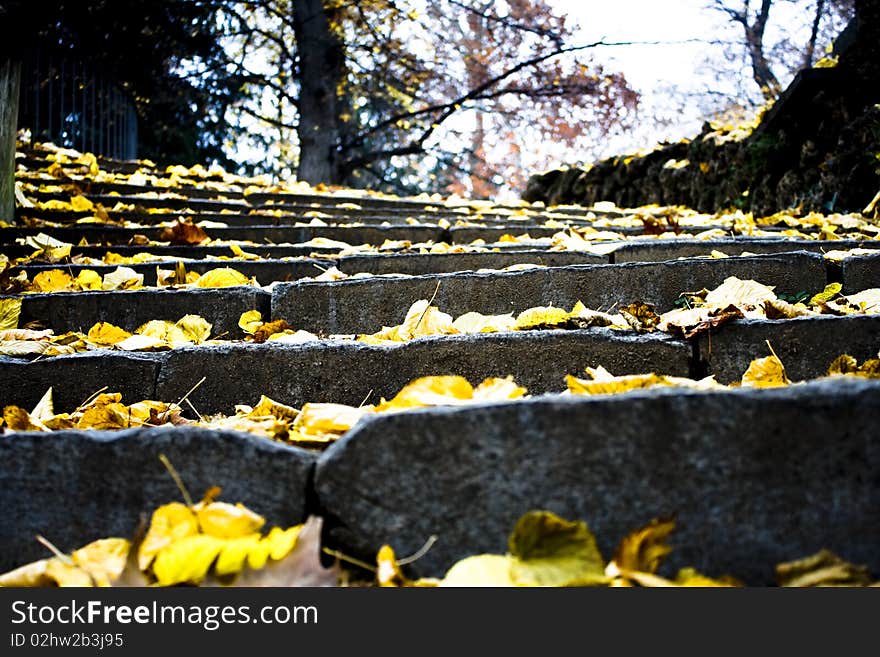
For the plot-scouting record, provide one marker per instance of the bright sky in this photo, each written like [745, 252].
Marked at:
[650, 69]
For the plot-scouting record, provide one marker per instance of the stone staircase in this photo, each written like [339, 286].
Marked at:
[753, 476]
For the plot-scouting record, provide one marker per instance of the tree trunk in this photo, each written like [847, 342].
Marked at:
[761, 71]
[321, 102]
[10, 80]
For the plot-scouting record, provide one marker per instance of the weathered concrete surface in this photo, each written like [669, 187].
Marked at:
[346, 372]
[435, 263]
[265, 271]
[364, 306]
[860, 273]
[754, 477]
[74, 487]
[76, 377]
[181, 251]
[79, 311]
[806, 345]
[95, 233]
[659, 250]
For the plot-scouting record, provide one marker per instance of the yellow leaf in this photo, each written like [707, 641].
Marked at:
[388, 573]
[103, 559]
[690, 577]
[477, 323]
[617, 384]
[222, 277]
[540, 318]
[45, 408]
[250, 321]
[281, 541]
[162, 329]
[239, 253]
[67, 574]
[548, 550]
[194, 328]
[497, 389]
[831, 290]
[274, 409]
[53, 280]
[18, 419]
[422, 319]
[225, 520]
[318, 419]
[81, 204]
[123, 278]
[88, 279]
[31, 574]
[823, 568]
[492, 570]
[645, 548]
[105, 417]
[234, 554]
[169, 523]
[142, 343]
[293, 337]
[843, 364]
[430, 391]
[10, 310]
[104, 333]
[765, 372]
[744, 294]
[187, 560]
[142, 411]
[779, 309]
[867, 301]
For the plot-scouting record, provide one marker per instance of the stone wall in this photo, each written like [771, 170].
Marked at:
[817, 148]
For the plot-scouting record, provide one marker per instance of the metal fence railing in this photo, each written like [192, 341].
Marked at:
[73, 105]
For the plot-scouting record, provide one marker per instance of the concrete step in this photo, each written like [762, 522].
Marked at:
[753, 477]
[366, 305]
[74, 487]
[335, 371]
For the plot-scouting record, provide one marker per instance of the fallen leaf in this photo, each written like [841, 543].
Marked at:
[388, 572]
[194, 328]
[831, 290]
[483, 570]
[104, 333]
[10, 311]
[640, 316]
[81, 204]
[225, 520]
[250, 321]
[88, 279]
[222, 277]
[52, 280]
[541, 318]
[765, 372]
[183, 232]
[476, 323]
[300, 567]
[430, 391]
[18, 419]
[122, 278]
[548, 550]
[645, 548]
[423, 319]
[744, 294]
[823, 568]
[498, 389]
[169, 523]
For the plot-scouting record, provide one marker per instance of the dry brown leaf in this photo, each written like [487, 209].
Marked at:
[184, 231]
[821, 569]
